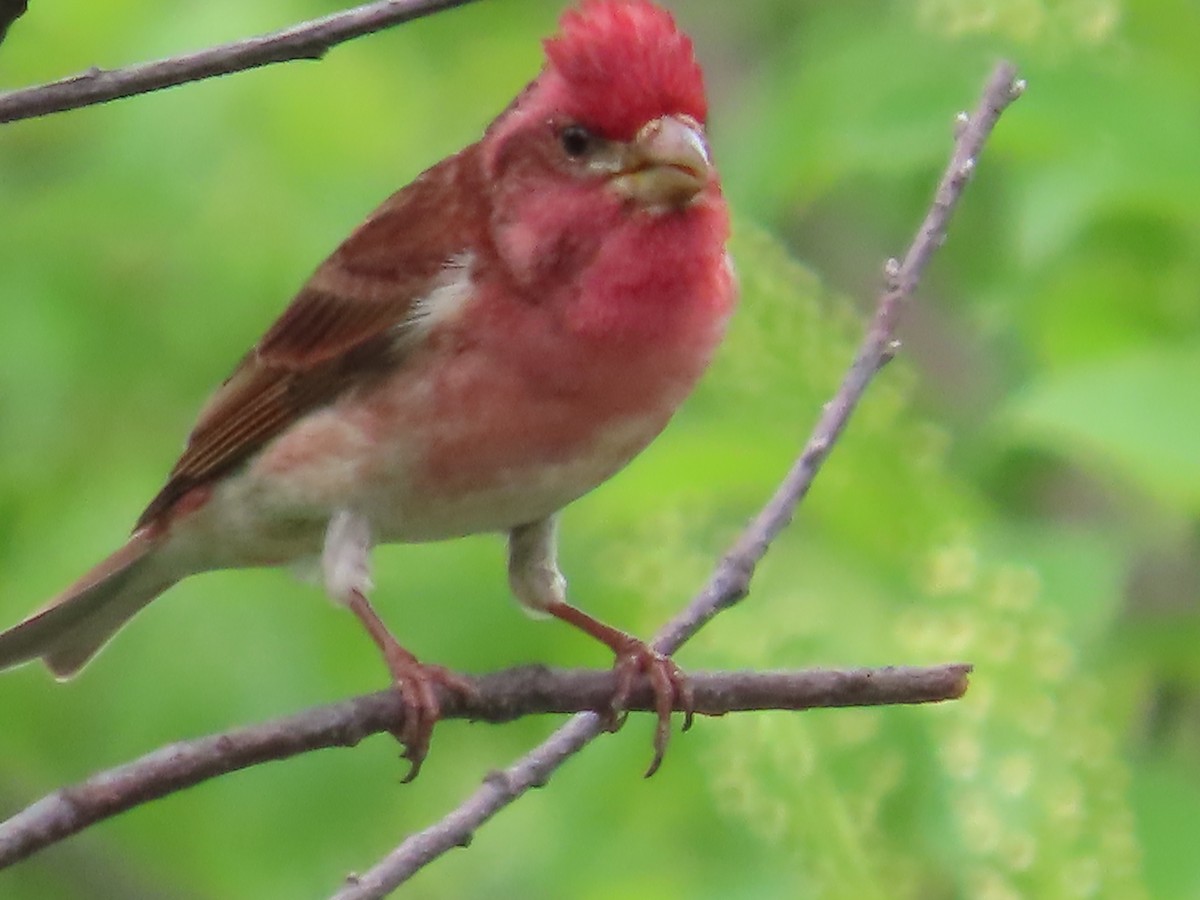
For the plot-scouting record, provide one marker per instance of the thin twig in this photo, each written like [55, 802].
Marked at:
[308, 40]
[730, 581]
[500, 697]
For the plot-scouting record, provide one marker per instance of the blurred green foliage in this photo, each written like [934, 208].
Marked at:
[1020, 490]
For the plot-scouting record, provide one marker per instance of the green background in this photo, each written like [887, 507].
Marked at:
[1020, 490]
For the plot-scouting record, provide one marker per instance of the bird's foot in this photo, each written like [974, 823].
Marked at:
[671, 687]
[418, 684]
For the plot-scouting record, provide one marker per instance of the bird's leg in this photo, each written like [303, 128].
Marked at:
[345, 563]
[535, 579]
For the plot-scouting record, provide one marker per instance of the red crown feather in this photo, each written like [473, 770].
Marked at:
[624, 63]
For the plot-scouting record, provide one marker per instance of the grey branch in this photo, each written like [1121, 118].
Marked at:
[730, 581]
[308, 40]
[501, 697]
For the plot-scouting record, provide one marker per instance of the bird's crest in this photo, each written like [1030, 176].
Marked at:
[624, 63]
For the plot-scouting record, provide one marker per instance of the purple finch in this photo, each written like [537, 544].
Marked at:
[498, 338]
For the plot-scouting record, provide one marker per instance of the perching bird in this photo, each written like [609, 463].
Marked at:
[497, 339]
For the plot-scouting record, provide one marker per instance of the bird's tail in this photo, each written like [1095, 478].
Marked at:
[70, 629]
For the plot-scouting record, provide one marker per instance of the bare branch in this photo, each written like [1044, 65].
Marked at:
[308, 40]
[501, 697]
[730, 581]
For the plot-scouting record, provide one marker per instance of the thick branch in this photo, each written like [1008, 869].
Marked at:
[308, 40]
[501, 697]
[731, 580]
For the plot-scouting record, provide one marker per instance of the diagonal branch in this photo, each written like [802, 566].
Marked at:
[500, 697]
[730, 581]
[308, 40]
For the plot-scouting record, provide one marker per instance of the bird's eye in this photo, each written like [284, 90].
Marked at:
[576, 141]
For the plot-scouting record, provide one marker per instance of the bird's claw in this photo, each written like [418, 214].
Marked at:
[418, 685]
[671, 688]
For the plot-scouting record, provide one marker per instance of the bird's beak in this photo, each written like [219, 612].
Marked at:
[666, 165]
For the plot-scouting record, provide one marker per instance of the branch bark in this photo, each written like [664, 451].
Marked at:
[730, 581]
[308, 40]
[501, 697]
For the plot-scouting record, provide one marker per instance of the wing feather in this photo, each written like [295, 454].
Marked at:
[342, 328]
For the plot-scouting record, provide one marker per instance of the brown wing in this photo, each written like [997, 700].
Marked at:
[340, 329]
